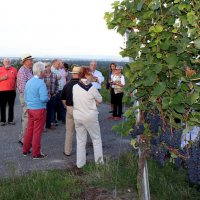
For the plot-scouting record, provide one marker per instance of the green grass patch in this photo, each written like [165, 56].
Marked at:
[105, 94]
[120, 175]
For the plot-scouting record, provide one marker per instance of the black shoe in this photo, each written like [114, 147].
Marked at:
[111, 111]
[26, 153]
[41, 156]
[20, 142]
[66, 154]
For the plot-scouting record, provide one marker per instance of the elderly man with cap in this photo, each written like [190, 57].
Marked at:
[67, 99]
[24, 74]
[8, 77]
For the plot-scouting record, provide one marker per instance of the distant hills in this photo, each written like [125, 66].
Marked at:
[102, 61]
[79, 57]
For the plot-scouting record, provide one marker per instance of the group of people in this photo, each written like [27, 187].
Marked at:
[48, 91]
[116, 83]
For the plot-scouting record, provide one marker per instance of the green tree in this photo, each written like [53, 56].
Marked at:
[164, 44]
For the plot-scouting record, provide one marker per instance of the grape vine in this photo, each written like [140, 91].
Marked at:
[164, 45]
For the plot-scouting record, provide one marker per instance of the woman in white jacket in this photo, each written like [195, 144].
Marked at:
[86, 98]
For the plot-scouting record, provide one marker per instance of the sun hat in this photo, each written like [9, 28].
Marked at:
[26, 56]
[76, 69]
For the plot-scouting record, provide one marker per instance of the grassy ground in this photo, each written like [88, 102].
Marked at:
[105, 94]
[114, 179]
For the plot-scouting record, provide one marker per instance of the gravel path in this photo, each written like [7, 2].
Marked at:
[12, 162]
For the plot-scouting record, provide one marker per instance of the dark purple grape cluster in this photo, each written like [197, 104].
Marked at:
[193, 163]
[179, 161]
[162, 141]
[160, 144]
[159, 153]
[137, 130]
[172, 139]
[154, 121]
[155, 141]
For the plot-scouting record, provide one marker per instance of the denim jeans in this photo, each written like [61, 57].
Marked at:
[51, 106]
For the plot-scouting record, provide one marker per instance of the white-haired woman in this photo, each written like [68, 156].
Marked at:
[36, 98]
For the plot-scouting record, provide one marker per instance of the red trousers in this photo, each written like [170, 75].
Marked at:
[35, 127]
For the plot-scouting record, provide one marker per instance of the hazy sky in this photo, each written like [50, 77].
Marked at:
[57, 28]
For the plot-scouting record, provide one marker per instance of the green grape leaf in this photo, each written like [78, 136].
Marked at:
[150, 78]
[171, 60]
[197, 43]
[165, 102]
[159, 89]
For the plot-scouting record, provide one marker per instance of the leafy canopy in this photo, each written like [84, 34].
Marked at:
[163, 40]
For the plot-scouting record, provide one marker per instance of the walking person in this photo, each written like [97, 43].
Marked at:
[67, 99]
[86, 98]
[8, 77]
[24, 74]
[36, 97]
[117, 82]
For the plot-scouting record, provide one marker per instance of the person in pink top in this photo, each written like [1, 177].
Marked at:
[8, 77]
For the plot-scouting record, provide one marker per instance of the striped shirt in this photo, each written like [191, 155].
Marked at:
[24, 74]
[51, 82]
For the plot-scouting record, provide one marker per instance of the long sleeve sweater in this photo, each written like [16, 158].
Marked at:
[85, 102]
[35, 94]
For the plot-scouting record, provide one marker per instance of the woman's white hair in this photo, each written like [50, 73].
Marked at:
[38, 67]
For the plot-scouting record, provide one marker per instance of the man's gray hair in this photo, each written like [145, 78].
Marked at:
[38, 67]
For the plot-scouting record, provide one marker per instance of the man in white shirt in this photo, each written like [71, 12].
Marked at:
[61, 112]
[55, 70]
[97, 75]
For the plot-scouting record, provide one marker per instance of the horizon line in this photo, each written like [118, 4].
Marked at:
[88, 57]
